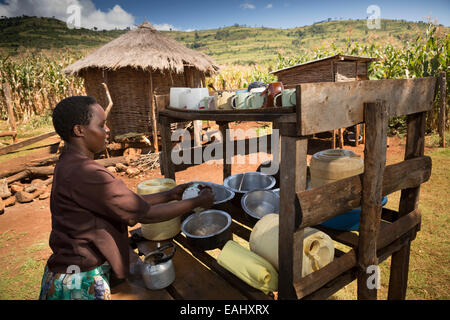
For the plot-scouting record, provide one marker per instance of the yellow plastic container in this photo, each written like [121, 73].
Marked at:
[160, 230]
[318, 247]
[334, 164]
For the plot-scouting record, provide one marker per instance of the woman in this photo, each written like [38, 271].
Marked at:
[91, 209]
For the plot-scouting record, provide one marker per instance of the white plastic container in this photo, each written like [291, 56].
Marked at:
[161, 230]
[175, 96]
[334, 164]
[318, 247]
[193, 98]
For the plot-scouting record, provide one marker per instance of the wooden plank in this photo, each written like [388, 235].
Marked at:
[325, 202]
[193, 281]
[333, 286]
[292, 179]
[415, 146]
[298, 108]
[331, 271]
[376, 119]
[393, 231]
[266, 115]
[246, 290]
[27, 142]
[402, 96]
[442, 106]
[223, 127]
[152, 105]
[167, 167]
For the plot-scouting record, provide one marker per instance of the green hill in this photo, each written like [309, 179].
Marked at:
[231, 45]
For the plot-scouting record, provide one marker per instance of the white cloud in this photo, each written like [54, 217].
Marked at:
[247, 6]
[269, 6]
[165, 27]
[90, 15]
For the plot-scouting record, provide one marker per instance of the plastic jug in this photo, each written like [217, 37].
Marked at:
[318, 247]
[159, 230]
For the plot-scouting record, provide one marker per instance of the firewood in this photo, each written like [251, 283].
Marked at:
[30, 172]
[4, 191]
[16, 188]
[24, 197]
[10, 201]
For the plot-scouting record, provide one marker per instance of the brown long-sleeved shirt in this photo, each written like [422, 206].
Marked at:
[90, 212]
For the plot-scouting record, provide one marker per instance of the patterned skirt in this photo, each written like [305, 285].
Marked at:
[89, 285]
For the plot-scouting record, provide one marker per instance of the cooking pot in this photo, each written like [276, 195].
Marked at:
[157, 270]
[207, 230]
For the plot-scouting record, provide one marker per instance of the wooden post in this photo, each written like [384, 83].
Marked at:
[442, 106]
[153, 111]
[357, 135]
[290, 244]
[376, 119]
[415, 145]
[334, 138]
[11, 118]
[341, 138]
[223, 126]
[167, 167]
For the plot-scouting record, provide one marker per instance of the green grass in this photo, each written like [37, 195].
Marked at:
[22, 268]
[36, 126]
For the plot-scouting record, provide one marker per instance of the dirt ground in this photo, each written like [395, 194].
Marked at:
[30, 223]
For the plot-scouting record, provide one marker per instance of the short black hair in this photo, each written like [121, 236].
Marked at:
[70, 112]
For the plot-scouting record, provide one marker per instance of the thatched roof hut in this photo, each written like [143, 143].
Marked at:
[139, 69]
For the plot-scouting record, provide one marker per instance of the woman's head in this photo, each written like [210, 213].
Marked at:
[81, 120]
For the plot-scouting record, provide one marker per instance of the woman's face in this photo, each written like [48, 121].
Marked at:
[96, 135]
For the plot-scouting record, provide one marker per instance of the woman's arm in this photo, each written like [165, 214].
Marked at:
[166, 196]
[166, 211]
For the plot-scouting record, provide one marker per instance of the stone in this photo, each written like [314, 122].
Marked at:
[10, 201]
[44, 196]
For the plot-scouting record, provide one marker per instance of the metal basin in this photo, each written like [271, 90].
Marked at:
[207, 230]
[244, 182]
[221, 193]
[258, 203]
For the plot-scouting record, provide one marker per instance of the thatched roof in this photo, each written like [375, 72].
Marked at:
[145, 48]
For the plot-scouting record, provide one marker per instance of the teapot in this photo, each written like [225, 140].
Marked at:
[157, 270]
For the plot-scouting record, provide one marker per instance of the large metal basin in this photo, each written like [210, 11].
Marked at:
[258, 203]
[221, 193]
[241, 183]
[208, 229]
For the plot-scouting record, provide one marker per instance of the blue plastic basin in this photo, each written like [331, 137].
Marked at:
[348, 221]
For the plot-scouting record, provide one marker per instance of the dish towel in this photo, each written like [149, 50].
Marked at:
[248, 266]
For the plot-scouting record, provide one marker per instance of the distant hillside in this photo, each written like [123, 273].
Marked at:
[231, 45]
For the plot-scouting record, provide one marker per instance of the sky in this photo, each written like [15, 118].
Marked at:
[188, 15]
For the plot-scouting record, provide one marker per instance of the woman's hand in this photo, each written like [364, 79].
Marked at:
[177, 192]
